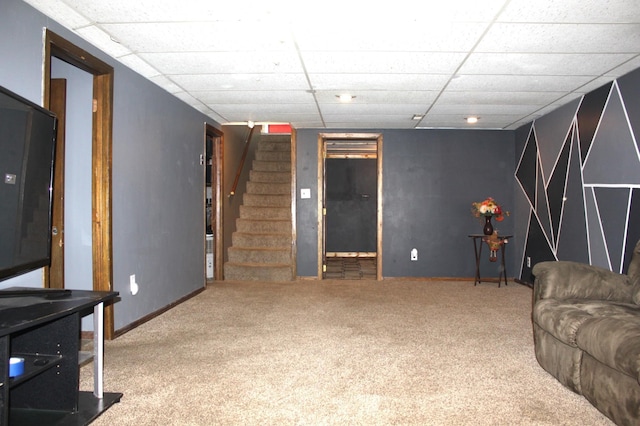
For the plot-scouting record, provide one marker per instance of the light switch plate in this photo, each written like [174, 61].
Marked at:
[305, 193]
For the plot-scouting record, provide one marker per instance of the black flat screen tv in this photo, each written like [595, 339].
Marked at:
[27, 146]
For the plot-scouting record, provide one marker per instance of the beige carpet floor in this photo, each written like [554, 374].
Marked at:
[339, 352]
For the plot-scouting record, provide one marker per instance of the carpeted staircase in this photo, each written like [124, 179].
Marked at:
[261, 246]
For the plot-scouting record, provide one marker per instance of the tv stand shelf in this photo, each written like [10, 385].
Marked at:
[43, 327]
[34, 364]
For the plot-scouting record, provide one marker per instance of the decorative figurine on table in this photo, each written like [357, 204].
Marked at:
[495, 243]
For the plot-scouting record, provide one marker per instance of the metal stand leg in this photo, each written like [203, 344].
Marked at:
[504, 265]
[98, 349]
[478, 252]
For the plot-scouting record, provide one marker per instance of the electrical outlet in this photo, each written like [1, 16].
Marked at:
[528, 262]
[414, 255]
[133, 286]
[10, 179]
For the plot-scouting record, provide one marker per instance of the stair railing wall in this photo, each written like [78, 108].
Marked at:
[242, 161]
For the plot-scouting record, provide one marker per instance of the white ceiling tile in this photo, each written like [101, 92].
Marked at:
[364, 117]
[382, 62]
[585, 11]
[140, 66]
[166, 84]
[366, 109]
[224, 62]
[256, 96]
[264, 108]
[64, 14]
[380, 123]
[498, 98]
[202, 36]
[480, 109]
[306, 124]
[346, 13]
[216, 117]
[169, 11]
[389, 97]
[406, 35]
[456, 121]
[561, 38]
[96, 36]
[188, 98]
[624, 68]
[277, 61]
[542, 63]
[242, 82]
[354, 82]
[517, 83]
[249, 115]
[550, 108]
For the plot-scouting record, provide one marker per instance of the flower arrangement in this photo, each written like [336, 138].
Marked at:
[488, 208]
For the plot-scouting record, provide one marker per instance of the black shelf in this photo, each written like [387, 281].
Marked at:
[89, 408]
[34, 364]
[44, 329]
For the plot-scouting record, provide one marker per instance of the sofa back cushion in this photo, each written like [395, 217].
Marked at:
[634, 273]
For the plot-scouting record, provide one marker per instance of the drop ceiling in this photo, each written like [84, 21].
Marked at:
[504, 61]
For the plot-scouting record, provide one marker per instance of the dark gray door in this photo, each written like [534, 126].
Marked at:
[351, 203]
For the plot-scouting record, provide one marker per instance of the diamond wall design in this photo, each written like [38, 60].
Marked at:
[589, 115]
[580, 173]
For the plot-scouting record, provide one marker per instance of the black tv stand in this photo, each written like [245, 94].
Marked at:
[44, 292]
[43, 327]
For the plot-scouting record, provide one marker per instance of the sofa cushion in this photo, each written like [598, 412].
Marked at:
[634, 265]
[634, 273]
[563, 318]
[612, 336]
[636, 290]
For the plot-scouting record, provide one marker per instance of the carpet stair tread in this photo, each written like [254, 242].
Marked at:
[261, 245]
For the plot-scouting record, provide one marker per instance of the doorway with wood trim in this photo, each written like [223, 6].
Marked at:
[101, 157]
[214, 142]
[350, 206]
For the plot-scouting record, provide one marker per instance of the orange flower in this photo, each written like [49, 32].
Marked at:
[489, 208]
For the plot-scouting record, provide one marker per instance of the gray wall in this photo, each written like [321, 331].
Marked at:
[578, 180]
[430, 179]
[158, 182]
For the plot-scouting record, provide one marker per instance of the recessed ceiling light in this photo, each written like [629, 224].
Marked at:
[417, 117]
[345, 97]
[472, 120]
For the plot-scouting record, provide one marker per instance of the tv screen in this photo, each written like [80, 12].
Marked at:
[27, 144]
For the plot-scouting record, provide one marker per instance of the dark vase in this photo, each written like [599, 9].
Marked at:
[488, 227]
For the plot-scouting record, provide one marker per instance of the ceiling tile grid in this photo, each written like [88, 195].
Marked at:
[507, 61]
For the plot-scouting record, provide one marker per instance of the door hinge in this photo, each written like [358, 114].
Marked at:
[95, 105]
[324, 211]
[324, 268]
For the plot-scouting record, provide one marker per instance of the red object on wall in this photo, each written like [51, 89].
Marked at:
[279, 128]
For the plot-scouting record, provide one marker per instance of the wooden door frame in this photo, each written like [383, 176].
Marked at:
[101, 157]
[322, 151]
[218, 152]
[54, 276]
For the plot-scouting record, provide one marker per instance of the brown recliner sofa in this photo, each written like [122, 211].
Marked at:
[586, 324]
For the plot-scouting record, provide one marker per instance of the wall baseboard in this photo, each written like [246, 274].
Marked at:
[155, 314]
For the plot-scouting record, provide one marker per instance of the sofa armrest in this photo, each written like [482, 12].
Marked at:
[573, 280]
